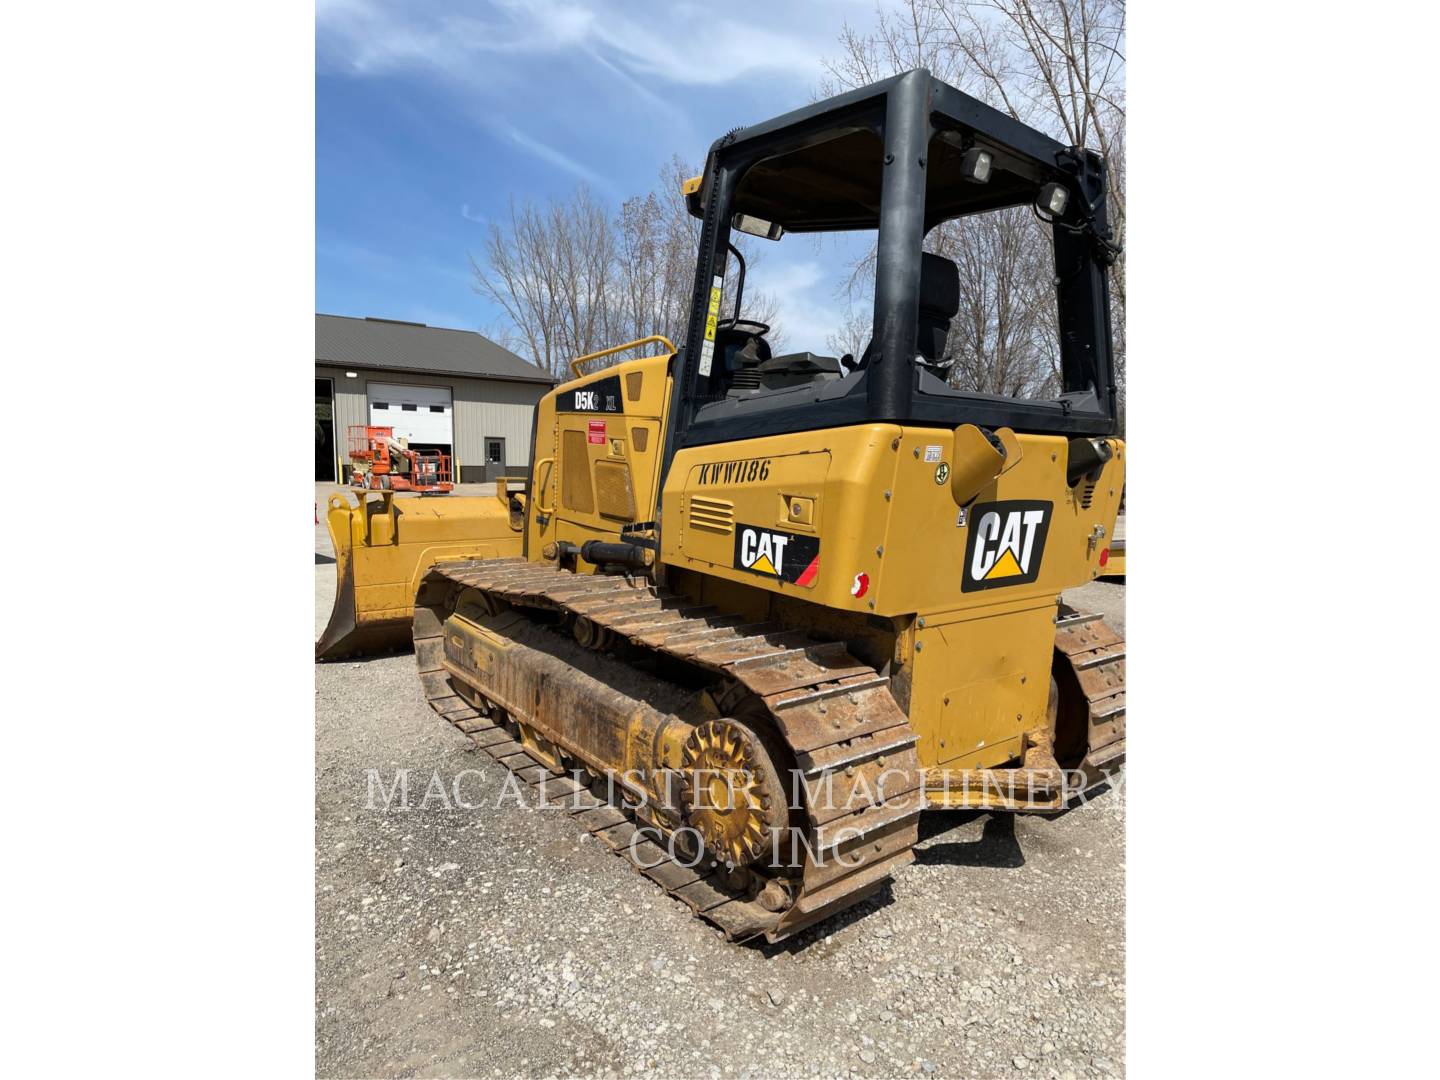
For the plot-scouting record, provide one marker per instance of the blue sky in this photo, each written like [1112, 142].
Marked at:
[430, 116]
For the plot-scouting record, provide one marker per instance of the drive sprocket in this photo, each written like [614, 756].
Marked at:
[731, 791]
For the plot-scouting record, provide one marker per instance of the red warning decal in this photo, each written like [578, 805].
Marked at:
[807, 576]
[597, 431]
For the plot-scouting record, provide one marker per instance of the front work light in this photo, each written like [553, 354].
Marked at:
[975, 165]
[1053, 199]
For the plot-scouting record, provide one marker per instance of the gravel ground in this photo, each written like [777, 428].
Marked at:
[485, 942]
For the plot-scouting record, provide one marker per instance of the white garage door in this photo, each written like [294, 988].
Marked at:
[420, 414]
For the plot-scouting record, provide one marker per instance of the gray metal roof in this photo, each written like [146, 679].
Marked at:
[405, 346]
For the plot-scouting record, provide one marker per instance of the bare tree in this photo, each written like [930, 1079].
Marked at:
[657, 243]
[1057, 65]
[551, 273]
[1003, 338]
[571, 280]
[853, 333]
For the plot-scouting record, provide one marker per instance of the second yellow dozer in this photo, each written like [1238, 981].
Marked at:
[765, 610]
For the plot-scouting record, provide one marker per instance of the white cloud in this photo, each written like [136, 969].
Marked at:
[807, 310]
[546, 63]
[553, 156]
[681, 44]
[638, 88]
[696, 48]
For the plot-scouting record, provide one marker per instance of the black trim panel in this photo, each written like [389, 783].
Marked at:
[601, 397]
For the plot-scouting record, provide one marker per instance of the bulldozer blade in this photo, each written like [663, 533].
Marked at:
[342, 637]
[385, 544]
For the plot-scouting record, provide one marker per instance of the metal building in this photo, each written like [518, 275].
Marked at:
[448, 390]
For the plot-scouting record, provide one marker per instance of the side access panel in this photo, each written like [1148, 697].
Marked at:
[981, 681]
[788, 514]
[756, 518]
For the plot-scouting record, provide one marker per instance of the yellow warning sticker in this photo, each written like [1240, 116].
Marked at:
[712, 319]
[713, 315]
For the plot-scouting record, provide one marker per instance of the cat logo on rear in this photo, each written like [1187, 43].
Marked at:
[783, 556]
[1006, 544]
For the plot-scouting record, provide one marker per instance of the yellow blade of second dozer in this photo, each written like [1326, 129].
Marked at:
[384, 545]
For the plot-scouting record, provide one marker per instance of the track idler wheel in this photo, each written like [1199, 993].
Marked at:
[731, 791]
[590, 636]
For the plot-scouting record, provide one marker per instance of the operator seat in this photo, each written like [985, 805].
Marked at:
[939, 301]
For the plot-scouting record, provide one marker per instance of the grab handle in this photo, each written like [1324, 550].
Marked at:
[540, 488]
[580, 361]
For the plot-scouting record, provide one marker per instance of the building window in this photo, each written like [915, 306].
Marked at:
[407, 408]
[437, 408]
[495, 451]
[381, 405]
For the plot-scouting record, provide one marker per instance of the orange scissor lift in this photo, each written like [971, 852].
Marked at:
[383, 463]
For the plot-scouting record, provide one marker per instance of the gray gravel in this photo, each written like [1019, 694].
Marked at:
[454, 942]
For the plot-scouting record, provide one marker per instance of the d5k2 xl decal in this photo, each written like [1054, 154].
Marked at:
[600, 396]
[781, 556]
[1006, 544]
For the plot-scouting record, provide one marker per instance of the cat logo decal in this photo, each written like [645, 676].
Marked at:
[782, 556]
[1006, 544]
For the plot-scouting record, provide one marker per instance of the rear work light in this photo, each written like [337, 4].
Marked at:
[975, 165]
[1053, 199]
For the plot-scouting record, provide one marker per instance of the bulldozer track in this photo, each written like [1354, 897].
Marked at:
[849, 740]
[1095, 655]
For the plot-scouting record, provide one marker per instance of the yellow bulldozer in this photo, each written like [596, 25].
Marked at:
[754, 613]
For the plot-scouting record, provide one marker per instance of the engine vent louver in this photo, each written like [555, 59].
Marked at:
[716, 515]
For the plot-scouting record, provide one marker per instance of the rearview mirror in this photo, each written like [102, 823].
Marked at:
[755, 226]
